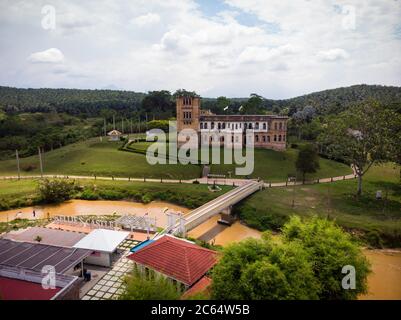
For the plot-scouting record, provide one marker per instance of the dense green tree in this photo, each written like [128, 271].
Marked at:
[55, 190]
[139, 287]
[330, 249]
[254, 105]
[306, 265]
[307, 160]
[223, 105]
[361, 136]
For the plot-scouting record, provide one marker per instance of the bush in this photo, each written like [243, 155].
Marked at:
[139, 287]
[56, 190]
[89, 195]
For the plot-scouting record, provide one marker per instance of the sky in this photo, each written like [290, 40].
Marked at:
[276, 48]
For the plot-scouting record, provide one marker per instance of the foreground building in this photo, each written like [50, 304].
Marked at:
[182, 261]
[265, 131]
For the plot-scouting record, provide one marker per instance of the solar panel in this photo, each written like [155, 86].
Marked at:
[35, 256]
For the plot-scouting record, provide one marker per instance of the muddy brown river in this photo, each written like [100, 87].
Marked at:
[384, 282]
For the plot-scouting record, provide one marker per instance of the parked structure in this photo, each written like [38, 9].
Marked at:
[265, 131]
[182, 261]
[103, 245]
[114, 135]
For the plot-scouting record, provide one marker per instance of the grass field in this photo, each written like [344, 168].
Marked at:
[380, 220]
[14, 193]
[100, 158]
[93, 157]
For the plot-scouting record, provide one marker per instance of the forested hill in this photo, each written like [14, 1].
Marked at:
[89, 103]
[71, 101]
[337, 100]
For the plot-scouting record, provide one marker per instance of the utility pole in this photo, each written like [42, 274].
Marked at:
[19, 172]
[40, 162]
[114, 122]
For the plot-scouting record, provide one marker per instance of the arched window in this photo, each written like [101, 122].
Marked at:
[250, 126]
[201, 125]
[279, 137]
[257, 138]
[257, 125]
[205, 125]
[275, 138]
[281, 126]
[212, 125]
[275, 126]
[264, 138]
[268, 138]
[219, 126]
[264, 126]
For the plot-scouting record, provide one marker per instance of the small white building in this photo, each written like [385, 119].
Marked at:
[103, 243]
[114, 135]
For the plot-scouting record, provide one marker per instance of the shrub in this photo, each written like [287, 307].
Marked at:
[56, 190]
[89, 195]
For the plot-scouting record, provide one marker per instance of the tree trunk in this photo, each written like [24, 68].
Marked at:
[359, 192]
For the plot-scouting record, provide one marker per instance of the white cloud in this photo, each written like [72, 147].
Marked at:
[146, 19]
[168, 44]
[333, 54]
[52, 55]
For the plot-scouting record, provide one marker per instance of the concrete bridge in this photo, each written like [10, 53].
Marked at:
[221, 204]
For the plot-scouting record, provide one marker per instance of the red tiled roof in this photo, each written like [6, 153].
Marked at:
[178, 259]
[14, 289]
[201, 286]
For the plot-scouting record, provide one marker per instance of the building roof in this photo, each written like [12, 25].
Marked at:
[49, 236]
[25, 284]
[176, 258]
[15, 289]
[201, 286]
[114, 133]
[35, 256]
[102, 240]
[241, 118]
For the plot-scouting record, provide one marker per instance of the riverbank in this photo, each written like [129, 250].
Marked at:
[376, 222]
[23, 193]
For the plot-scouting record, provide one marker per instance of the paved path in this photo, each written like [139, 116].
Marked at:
[219, 181]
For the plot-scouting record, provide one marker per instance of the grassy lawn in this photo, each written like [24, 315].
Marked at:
[105, 159]
[269, 165]
[100, 158]
[376, 218]
[14, 193]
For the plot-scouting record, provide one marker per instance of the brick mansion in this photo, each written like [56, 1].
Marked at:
[265, 131]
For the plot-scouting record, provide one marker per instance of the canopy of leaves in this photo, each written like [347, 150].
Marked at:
[57, 190]
[307, 160]
[306, 265]
[329, 250]
[139, 287]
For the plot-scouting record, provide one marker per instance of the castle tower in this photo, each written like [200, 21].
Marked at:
[188, 113]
